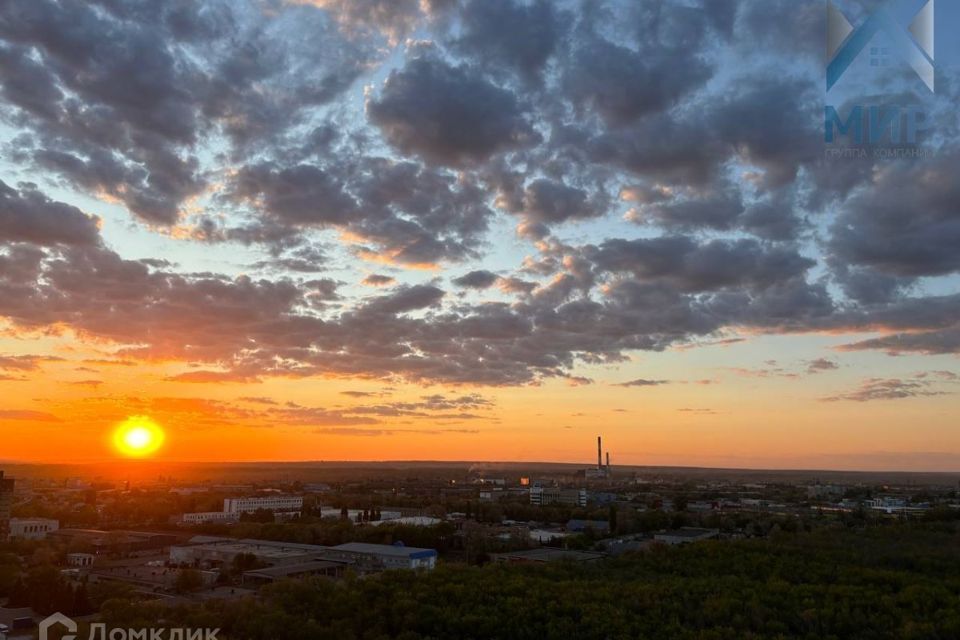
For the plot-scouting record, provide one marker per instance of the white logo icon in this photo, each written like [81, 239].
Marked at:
[64, 621]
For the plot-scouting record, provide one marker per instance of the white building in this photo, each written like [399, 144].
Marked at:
[411, 521]
[355, 514]
[383, 556]
[32, 528]
[209, 516]
[555, 495]
[80, 559]
[270, 503]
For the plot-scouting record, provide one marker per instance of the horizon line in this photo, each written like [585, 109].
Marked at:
[128, 461]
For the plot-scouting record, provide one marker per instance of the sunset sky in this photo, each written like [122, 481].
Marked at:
[469, 230]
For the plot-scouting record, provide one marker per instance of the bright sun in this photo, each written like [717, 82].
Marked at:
[138, 437]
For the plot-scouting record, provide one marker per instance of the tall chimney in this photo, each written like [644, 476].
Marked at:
[608, 461]
[599, 455]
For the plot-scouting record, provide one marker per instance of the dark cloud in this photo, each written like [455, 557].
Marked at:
[512, 35]
[926, 342]
[28, 215]
[448, 115]
[119, 96]
[547, 202]
[906, 223]
[240, 123]
[690, 266]
[621, 85]
[821, 364]
[404, 300]
[477, 280]
[642, 382]
[377, 280]
[409, 213]
[304, 194]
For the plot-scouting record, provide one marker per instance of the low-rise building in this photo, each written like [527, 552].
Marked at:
[204, 517]
[581, 526]
[114, 542]
[685, 535]
[32, 528]
[204, 550]
[309, 569]
[383, 556]
[269, 503]
[80, 559]
[542, 496]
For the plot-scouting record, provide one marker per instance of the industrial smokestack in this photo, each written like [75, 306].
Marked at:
[608, 461]
[599, 455]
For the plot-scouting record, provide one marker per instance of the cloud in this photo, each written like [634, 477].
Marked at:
[118, 97]
[28, 215]
[393, 18]
[906, 224]
[621, 84]
[642, 382]
[23, 363]
[888, 389]
[448, 115]
[224, 124]
[405, 299]
[511, 35]
[208, 377]
[691, 266]
[926, 342]
[87, 383]
[821, 364]
[480, 279]
[347, 431]
[17, 415]
[377, 280]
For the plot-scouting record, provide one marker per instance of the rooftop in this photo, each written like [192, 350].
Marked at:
[386, 550]
[549, 554]
[293, 569]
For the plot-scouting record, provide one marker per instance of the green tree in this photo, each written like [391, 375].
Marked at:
[187, 580]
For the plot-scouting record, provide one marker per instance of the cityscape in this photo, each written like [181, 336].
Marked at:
[479, 320]
[213, 541]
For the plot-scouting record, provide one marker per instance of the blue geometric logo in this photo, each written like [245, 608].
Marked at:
[912, 40]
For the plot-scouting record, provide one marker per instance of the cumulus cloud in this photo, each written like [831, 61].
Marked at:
[449, 115]
[512, 35]
[821, 364]
[480, 279]
[691, 266]
[28, 215]
[378, 280]
[301, 135]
